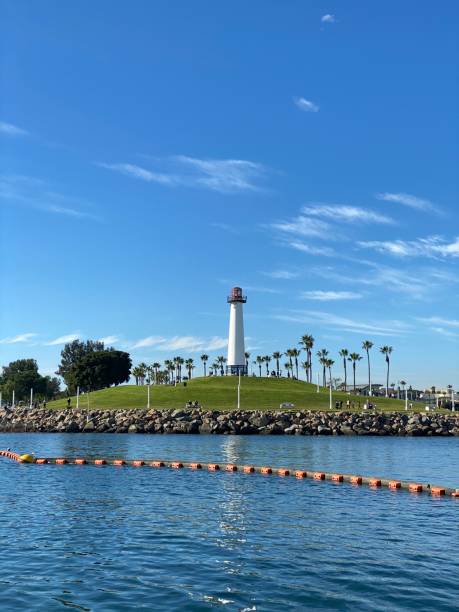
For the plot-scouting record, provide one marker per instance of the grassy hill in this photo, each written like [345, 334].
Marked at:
[220, 393]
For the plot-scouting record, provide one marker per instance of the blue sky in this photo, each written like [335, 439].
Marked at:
[154, 155]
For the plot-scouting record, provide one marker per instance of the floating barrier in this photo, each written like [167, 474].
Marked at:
[394, 485]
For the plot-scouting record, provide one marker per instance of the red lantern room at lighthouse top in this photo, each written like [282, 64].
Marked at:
[236, 296]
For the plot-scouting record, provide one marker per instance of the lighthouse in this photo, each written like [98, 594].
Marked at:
[236, 347]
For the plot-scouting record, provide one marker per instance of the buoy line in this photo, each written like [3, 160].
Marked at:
[353, 479]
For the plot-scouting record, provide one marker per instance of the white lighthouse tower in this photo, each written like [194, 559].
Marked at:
[236, 347]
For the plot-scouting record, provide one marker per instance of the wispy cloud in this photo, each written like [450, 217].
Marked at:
[282, 274]
[330, 296]
[63, 339]
[141, 173]
[34, 193]
[328, 18]
[221, 175]
[330, 320]
[444, 332]
[432, 246]
[348, 214]
[408, 200]
[435, 320]
[148, 341]
[12, 130]
[306, 105]
[304, 226]
[310, 249]
[19, 338]
[109, 340]
[225, 227]
[182, 343]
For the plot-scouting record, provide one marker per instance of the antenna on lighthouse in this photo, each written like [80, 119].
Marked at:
[236, 363]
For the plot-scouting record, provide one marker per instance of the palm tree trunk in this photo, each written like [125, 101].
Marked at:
[259, 367]
[387, 379]
[353, 367]
[205, 369]
[296, 367]
[345, 374]
[323, 377]
[369, 372]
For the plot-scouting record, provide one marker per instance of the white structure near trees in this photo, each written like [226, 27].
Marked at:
[236, 363]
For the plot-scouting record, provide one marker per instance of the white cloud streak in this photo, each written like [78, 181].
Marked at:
[328, 18]
[19, 338]
[432, 246]
[221, 175]
[330, 296]
[304, 226]
[435, 320]
[181, 343]
[348, 214]
[282, 274]
[306, 105]
[12, 130]
[109, 340]
[310, 249]
[409, 200]
[63, 339]
[329, 320]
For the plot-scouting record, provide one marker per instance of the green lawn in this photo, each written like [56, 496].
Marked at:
[220, 393]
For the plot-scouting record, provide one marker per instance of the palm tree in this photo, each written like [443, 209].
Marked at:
[189, 366]
[137, 373]
[247, 357]
[305, 365]
[307, 341]
[215, 368]
[289, 354]
[276, 356]
[204, 359]
[387, 350]
[169, 367]
[221, 360]
[295, 353]
[267, 360]
[354, 357]
[144, 368]
[156, 367]
[344, 353]
[367, 345]
[322, 355]
[288, 367]
[259, 360]
[328, 364]
[403, 384]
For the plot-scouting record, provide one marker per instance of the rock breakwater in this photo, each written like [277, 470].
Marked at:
[236, 422]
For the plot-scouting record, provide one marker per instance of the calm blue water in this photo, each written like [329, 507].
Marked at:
[108, 539]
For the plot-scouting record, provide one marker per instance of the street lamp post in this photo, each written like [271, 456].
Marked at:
[31, 398]
[318, 387]
[406, 398]
[239, 392]
[148, 396]
[78, 398]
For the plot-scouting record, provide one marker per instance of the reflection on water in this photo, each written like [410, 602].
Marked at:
[106, 538]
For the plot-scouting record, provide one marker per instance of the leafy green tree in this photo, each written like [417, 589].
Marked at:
[21, 376]
[71, 354]
[101, 369]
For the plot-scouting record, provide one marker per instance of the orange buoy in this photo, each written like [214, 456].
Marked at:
[301, 474]
[119, 462]
[437, 491]
[337, 477]
[319, 476]
[100, 462]
[231, 467]
[266, 470]
[157, 464]
[283, 472]
[213, 467]
[415, 488]
[195, 466]
[249, 469]
[374, 482]
[176, 465]
[394, 484]
[356, 480]
[41, 461]
[80, 461]
[61, 461]
[138, 463]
